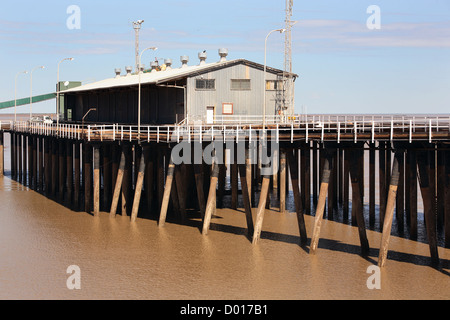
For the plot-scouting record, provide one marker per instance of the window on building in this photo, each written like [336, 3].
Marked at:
[205, 84]
[227, 108]
[274, 85]
[240, 84]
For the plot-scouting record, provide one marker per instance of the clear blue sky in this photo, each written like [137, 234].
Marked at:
[344, 67]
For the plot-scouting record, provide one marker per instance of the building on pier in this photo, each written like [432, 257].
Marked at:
[169, 95]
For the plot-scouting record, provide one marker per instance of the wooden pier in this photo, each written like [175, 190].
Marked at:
[131, 171]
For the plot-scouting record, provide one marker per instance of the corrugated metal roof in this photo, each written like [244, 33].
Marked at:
[167, 75]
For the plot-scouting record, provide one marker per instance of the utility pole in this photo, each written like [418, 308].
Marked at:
[137, 27]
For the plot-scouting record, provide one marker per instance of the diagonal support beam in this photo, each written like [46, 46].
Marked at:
[326, 172]
[388, 217]
[118, 186]
[139, 184]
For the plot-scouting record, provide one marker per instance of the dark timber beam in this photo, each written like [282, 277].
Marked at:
[355, 174]
[327, 157]
[423, 162]
[293, 161]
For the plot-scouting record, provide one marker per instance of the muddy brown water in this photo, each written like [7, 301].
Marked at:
[40, 239]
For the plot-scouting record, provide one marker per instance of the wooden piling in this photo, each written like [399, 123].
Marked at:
[211, 203]
[137, 152]
[96, 180]
[346, 185]
[325, 179]
[412, 159]
[19, 156]
[106, 152]
[332, 188]
[276, 166]
[41, 163]
[138, 188]
[198, 175]
[282, 186]
[388, 165]
[54, 167]
[307, 178]
[12, 154]
[34, 183]
[77, 176]
[148, 177]
[407, 188]
[47, 165]
[423, 161]
[382, 180]
[167, 193]
[24, 156]
[127, 179]
[394, 182]
[293, 160]
[372, 184]
[234, 180]
[302, 173]
[248, 171]
[314, 173]
[69, 171]
[87, 158]
[115, 160]
[118, 185]
[2, 155]
[355, 175]
[447, 200]
[440, 183]
[221, 184]
[246, 199]
[432, 175]
[160, 175]
[180, 175]
[175, 201]
[340, 175]
[400, 198]
[62, 170]
[30, 161]
[361, 156]
[261, 209]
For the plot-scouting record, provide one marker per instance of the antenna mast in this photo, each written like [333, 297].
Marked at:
[137, 27]
[288, 81]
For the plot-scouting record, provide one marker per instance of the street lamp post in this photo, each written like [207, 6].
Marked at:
[139, 91]
[15, 94]
[82, 119]
[31, 90]
[264, 83]
[57, 92]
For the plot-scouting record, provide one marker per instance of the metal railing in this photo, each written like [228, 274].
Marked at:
[240, 119]
[299, 127]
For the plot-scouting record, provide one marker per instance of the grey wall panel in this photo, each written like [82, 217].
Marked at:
[245, 102]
